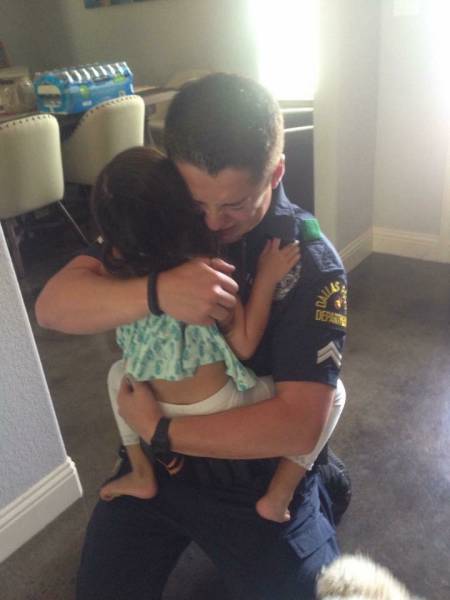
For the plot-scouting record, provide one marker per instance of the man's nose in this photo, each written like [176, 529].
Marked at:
[214, 220]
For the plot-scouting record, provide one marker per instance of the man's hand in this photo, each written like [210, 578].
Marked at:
[198, 292]
[138, 407]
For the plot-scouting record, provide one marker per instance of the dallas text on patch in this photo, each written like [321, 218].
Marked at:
[331, 304]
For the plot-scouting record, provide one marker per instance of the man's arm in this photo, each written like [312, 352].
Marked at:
[84, 298]
[288, 424]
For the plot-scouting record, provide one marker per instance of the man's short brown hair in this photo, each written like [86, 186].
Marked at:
[225, 120]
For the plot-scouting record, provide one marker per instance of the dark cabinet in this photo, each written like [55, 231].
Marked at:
[299, 151]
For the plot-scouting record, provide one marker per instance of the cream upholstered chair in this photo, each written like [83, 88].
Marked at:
[101, 134]
[178, 79]
[31, 174]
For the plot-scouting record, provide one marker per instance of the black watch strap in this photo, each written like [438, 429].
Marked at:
[152, 295]
[160, 443]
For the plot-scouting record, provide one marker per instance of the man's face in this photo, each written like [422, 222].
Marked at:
[231, 201]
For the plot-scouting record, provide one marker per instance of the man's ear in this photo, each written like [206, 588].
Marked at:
[278, 173]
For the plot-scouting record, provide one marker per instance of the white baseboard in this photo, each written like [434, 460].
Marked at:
[355, 252]
[394, 241]
[407, 243]
[37, 507]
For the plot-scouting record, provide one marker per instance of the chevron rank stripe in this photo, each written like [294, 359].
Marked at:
[329, 351]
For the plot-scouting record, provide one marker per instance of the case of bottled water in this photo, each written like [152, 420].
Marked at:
[76, 89]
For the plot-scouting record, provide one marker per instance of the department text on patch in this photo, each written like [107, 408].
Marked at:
[330, 317]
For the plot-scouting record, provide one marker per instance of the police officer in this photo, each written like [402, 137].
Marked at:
[225, 134]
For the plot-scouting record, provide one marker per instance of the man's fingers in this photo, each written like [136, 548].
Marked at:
[129, 384]
[220, 265]
[139, 386]
[225, 297]
[228, 285]
[126, 385]
[205, 321]
[219, 313]
[192, 291]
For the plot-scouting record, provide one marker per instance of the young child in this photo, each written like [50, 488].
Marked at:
[149, 224]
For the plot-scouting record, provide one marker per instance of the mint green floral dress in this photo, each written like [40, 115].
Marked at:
[163, 348]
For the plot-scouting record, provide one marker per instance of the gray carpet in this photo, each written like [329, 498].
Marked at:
[394, 436]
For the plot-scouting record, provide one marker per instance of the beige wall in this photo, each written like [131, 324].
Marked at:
[382, 128]
[156, 38]
[413, 124]
[15, 30]
[345, 113]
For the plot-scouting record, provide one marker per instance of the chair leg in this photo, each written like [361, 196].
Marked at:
[74, 223]
[14, 240]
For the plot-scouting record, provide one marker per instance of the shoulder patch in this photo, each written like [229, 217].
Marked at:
[310, 230]
[324, 258]
[330, 304]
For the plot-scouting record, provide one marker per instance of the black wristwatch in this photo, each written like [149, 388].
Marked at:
[160, 443]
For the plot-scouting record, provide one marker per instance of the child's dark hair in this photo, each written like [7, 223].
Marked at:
[146, 216]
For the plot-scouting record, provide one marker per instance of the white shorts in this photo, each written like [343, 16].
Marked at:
[226, 398]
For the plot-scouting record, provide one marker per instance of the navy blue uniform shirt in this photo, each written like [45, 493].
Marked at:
[304, 338]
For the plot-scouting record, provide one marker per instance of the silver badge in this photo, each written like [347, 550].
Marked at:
[288, 283]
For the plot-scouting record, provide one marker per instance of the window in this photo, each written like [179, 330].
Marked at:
[286, 33]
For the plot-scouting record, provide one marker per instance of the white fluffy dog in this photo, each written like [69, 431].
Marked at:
[359, 578]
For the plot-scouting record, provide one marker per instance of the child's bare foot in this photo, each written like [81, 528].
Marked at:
[139, 485]
[268, 508]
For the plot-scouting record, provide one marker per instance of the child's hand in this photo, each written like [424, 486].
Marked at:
[275, 262]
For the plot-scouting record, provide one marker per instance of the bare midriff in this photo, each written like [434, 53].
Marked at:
[208, 380]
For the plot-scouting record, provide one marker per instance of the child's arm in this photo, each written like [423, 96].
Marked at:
[246, 327]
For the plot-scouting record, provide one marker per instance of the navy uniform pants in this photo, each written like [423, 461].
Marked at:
[132, 545]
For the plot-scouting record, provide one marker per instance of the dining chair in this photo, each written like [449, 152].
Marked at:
[103, 132]
[31, 175]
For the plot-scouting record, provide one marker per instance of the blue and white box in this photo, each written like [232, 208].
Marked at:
[77, 89]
